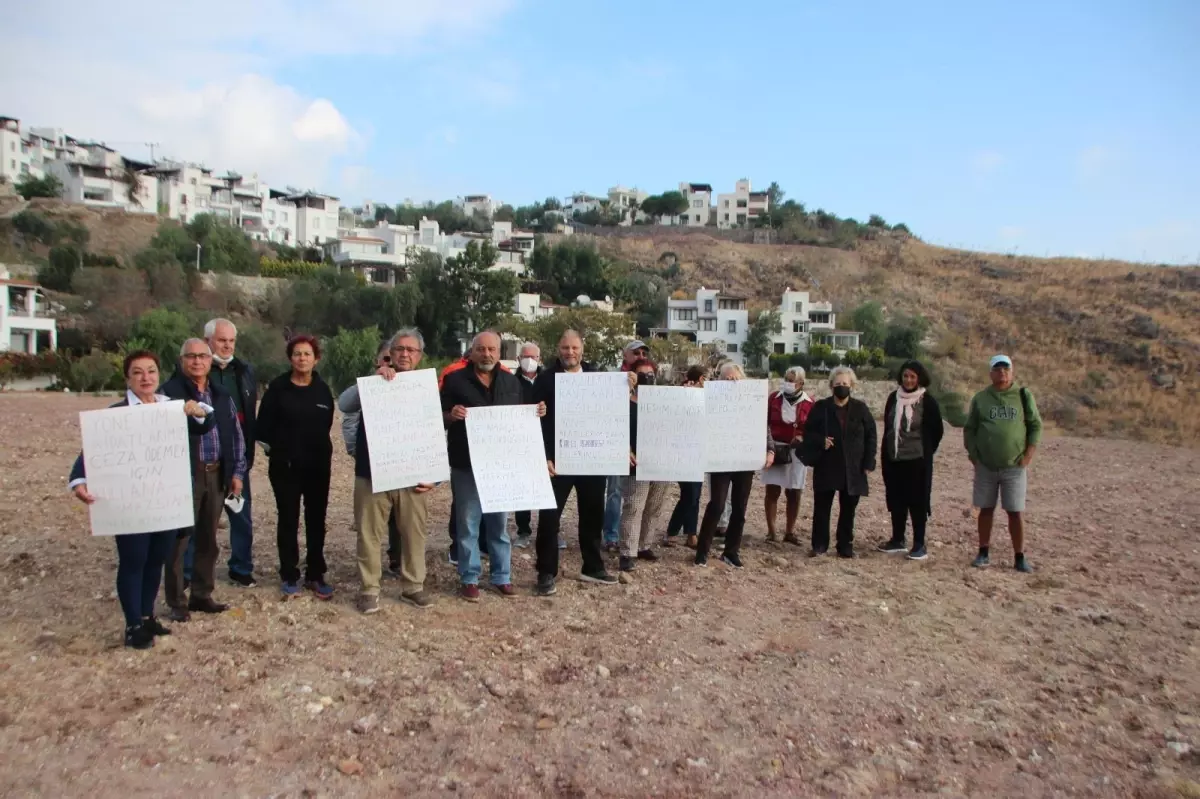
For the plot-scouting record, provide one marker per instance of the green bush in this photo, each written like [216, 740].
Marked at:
[60, 269]
[161, 331]
[34, 226]
[857, 359]
[348, 356]
[272, 267]
[23, 366]
[97, 371]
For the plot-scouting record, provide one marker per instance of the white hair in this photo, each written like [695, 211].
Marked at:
[483, 333]
[843, 370]
[529, 344]
[210, 327]
[794, 374]
[183, 347]
[407, 332]
[731, 371]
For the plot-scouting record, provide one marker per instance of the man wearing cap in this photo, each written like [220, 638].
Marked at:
[1002, 434]
[614, 491]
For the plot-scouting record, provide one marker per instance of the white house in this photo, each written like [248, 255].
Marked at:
[805, 323]
[627, 203]
[99, 176]
[14, 157]
[710, 317]
[699, 208]
[581, 203]
[477, 203]
[741, 207]
[26, 323]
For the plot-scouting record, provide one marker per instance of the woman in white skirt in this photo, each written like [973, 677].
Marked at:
[787, 411]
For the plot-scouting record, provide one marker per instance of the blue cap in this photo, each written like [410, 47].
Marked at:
[1000, 360]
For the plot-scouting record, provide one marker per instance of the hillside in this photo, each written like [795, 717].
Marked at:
[1111, 348]
[110, 231]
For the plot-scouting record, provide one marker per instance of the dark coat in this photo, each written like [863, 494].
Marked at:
[180, 387]
[853, 448]
[528, 387]
[295, 422]
[543, 391]
[247, 383]
[932, 430]
[465, 388]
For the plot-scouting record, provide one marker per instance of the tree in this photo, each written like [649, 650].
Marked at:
[224, 248]
[162, 332]
[875, 220]
[130, 178]
[868, 319]
[900, 227]
[904, 337]
[349, 355]
[504, 213]
[482, 294]
[29, 186]
[857, 358]
[673, 203]
[775, 196]
[62, 262]
[820, 354]
[604, 334]
[758, 337]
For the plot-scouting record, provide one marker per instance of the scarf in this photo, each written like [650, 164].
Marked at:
[904, 405]
[787, 408]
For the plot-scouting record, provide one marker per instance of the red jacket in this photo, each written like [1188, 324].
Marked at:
[781, 430]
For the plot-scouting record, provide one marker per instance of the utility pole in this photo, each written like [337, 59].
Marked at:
[152, 145]
[198, 249]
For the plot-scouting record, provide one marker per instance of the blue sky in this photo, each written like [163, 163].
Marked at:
[1066, 128]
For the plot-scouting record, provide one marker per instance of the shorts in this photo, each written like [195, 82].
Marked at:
[1008, 483]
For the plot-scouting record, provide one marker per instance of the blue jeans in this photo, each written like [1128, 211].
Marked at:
[241, 539]
[473, 524]
[612, 510]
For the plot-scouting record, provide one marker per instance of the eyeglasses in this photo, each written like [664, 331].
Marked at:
[196, 356]
[386, 359]
[406, 350]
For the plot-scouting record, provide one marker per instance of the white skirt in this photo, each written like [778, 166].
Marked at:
[791, 476]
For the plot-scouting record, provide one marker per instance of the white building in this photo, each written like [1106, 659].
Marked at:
[742, 207]
[805, 323]
[709, 318]
[14, 159]
[476, 203]
[627, 203]
[26, 323]
[581, 203]
[699, 204]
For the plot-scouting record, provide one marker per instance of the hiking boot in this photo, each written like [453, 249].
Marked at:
[1022, 565]
[418, 599]
[505, 589]
[626, 564]
[155, 627]
[545, 585]
[918, 553]
[291, 590]
[367, 603]
[244, 580]
[469, 592]
[981, 561]
[138, 637]
[647, 554]
[732, 560]
[322, 589]
[600, 578]
[847, 553]
[894, 545]
[393, 568]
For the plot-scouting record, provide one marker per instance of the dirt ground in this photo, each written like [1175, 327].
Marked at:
[792, 677]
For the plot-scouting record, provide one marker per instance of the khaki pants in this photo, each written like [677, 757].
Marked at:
[641, 503]
[207, 501]
[412, 516]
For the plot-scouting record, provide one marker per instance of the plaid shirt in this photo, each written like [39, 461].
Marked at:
[210, 442]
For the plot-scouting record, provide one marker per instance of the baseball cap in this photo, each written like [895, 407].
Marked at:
[636, 345]
[1000, 360]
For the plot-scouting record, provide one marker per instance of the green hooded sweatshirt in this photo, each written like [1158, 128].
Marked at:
[1000, 425]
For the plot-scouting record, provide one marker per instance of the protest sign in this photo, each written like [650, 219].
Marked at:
[138, 468]
[508, 458]
[670, 434]
[591, 423]
[735, 413]
[406, 438]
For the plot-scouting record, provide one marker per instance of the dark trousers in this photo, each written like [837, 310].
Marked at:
[720, 484]
[453, 525]
[241, 537]
[208, 497]
[292, 483]
[393, 539]
[686, 516]
[823, 510]
[589, 495]
[524, 522]
[906, 496]
[140, 559]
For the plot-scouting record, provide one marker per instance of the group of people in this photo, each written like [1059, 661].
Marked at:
[834, 438]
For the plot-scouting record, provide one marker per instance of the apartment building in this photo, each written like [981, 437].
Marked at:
[711, 317]
[741, 207]
[582, 203]
[26, 322]
[805, 323]
[699, 200]
[477, 203]
[99, 176]
[627, 203]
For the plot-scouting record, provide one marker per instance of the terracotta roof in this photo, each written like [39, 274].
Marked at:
[25, 283]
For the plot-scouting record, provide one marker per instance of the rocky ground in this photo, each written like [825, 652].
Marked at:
[873, 677]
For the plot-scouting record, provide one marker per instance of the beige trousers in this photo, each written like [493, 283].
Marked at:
[640, 505]
[412, 516]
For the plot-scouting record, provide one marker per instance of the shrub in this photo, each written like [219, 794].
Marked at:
[857, 358]
[34, 226]
[60, 269]
[349, 355]
[23, 366]
[779, 363]
[93, 259]
[97, 371]
[271, 267]
[904, 337]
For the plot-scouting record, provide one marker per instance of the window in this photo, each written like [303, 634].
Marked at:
[780, 348]
[193, 181]
[697, 203]
[316, 222]
[709, 325]
[685, 314]
[741, 219]
[727, 205]
[795, 348]
[797, 327]
[726, 217]
[732, 326]
[799, 307]
[24, 169]
[740, 203]
[731, 348]
[708, 306]
[697, 219]
[818, 318]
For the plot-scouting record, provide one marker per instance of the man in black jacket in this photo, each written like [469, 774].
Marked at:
[237, 379]
[589, 489]
[481, 384]
[218, 469]
[529, 369]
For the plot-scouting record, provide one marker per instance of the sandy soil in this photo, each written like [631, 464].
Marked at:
[874, 677]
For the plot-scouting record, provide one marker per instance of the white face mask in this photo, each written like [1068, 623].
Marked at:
[528, 364]
[222, 361]
[787, 388]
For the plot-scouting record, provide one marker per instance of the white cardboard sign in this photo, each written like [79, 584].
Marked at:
[508, 458]
[671, 434]
[591, 423]
[406, 437]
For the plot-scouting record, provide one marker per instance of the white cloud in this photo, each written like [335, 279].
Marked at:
[197, 78]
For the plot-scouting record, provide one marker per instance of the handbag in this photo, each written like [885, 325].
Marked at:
[783, 453]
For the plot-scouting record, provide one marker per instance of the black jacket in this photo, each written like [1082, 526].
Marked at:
[247, 383]
[295, 421]
[464, 388]
[527, 387]
[180, 387]
[932, 430]
[845, 466]
[543, 391]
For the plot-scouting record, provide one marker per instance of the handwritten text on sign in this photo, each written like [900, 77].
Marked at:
[591, 424]
[508, 458]
[138, 467]
[736, 418]
[405, 435]
[670, 434]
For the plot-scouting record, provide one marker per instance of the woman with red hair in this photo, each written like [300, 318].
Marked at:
[293, 426]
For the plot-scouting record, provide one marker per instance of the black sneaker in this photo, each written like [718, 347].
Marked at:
[647, 554]
[732, 560]
[625, 564]
[600, 578]
[701, 560]
[981, 562]
[918, 553]
[816, 553]
[895, 545]
[848, 554]
[138, 637]
[155, 627]
[545, 585]
[1023, 566]
[244, 580]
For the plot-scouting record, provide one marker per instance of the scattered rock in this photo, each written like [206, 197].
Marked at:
[350, 767]
[781, 562]
[545, 723]
[633, 712]
[603, 671]
[1179, 748]
[326, 701]
[365, 724]
[997, 272]
[315, 708]
[883, 607]
[643, 772]
[697, 762]
[1164, 380]
[495, 687]
[624, 578]
[912, 745]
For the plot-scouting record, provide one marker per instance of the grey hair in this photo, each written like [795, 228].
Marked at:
[407, 332]
[483, 333]
[210, 327]
[794, 372]
[732, 371]
[571, 332]
[843, 370]
[183, 347]
[533, 344]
